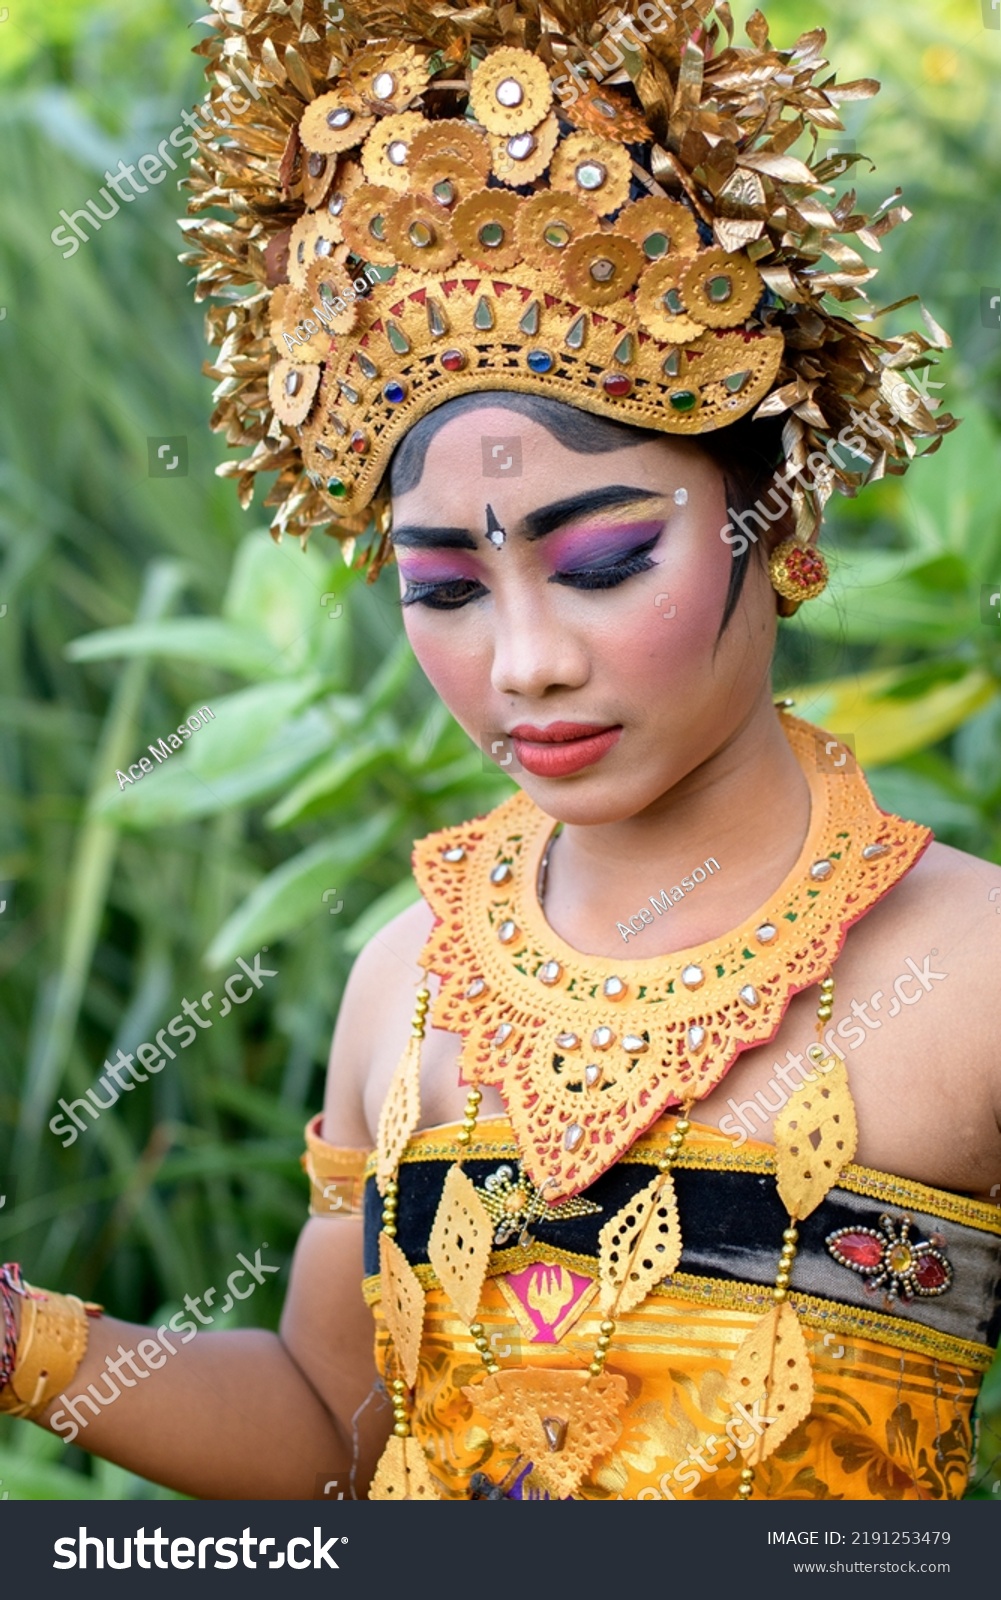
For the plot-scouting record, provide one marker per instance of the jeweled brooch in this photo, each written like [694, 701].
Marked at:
[514, 1203]
[887, 1257]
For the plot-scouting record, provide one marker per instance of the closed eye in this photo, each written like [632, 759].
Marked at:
[444, 596]
[609, 574]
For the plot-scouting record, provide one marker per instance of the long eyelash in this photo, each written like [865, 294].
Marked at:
[441, 596]
[609, 577]
[605, 577]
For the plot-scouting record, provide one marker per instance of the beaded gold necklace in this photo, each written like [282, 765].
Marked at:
[524, 1003]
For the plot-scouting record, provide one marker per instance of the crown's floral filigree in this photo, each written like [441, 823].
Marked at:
[691, 161]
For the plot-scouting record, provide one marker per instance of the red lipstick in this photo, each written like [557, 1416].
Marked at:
[563, 747]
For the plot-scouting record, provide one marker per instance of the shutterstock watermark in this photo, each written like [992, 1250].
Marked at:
[688, 1474]
[151, 1056]
[667, 898]
[653, 16]
[739, 1125]
[990, 604]
[811, 473]
[990, 308]
[151, 1354]
[153, 169]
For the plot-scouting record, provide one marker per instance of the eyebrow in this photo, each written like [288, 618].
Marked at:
[537, 524]
[439, 538]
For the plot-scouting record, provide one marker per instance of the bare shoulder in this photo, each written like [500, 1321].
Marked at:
[959, 896]
[373, 1020]
[946, 914]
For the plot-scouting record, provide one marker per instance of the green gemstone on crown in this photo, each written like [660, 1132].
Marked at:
[576, 331]
[336, 488]
[720, 289]
[624, 349]
[483, 317]
[530, 321]
[684, 400]
[491, 235]
[673, 302]
[397, 338]
[656, 245]
[557, 235]
[735, 381]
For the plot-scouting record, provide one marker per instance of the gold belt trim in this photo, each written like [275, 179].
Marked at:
[702, 1156]
[721, 1295]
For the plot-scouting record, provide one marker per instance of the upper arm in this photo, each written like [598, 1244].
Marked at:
[373, 1025]
[326, 1326]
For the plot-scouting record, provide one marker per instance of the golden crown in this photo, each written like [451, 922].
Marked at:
[456, 207]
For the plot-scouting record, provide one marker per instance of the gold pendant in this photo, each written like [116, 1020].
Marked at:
[561, 1421]
[639, 1246]
[400, 1114]
[771, 1373]
[403, 1473]
[816, 1135]
[403, 1302]
[460, 1243]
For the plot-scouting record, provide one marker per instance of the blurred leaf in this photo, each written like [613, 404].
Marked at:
[207, 640]
[325, 785]
[292, 895]
[909, 794]
[375, 917]
[884, 724]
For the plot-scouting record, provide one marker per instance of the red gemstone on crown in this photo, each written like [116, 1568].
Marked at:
[617, 385]
[453, 360]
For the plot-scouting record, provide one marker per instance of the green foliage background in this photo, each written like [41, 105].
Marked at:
[132, 600]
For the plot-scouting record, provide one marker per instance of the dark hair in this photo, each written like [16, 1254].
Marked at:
[747, 453]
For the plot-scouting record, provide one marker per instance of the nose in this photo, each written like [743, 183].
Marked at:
[536, 650]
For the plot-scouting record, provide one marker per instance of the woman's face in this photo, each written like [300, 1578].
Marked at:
[568, 615]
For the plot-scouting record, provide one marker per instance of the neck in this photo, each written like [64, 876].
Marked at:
[745, 807]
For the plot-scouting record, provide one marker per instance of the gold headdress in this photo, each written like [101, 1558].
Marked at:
[427, 202]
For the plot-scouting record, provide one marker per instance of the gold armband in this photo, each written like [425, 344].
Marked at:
[51, 1344]
[336, 1176]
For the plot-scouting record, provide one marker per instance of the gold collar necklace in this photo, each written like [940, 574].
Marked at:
[588, 1051]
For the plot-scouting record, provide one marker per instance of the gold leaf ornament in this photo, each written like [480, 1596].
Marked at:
[460, 1243]
[403, 1473]
[403, 1302]
[561, 1421]
[772, 1379]
[400, 1114]
[639, 1246]
[815, 1135]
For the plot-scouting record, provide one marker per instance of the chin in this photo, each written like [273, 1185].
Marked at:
[589, 801]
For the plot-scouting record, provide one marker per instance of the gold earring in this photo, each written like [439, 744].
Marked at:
[797, 572]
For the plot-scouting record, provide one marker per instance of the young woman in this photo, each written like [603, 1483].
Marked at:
[661, 1134]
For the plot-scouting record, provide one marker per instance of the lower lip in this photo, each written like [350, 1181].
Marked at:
[570, 755]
